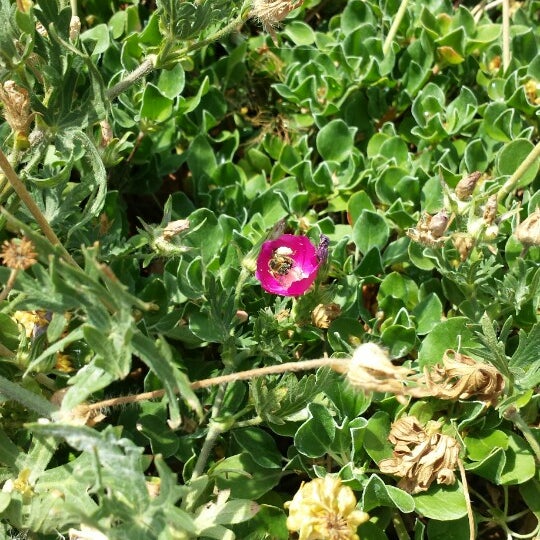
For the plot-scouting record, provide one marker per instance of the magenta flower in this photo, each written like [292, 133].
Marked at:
[289, 264]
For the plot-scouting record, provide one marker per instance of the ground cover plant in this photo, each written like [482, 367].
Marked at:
[270, 269]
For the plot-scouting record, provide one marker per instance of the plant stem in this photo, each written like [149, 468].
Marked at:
[399, 526]
[470, 514]
[506, 34]
[214, 431]
[26, 198]
[510, 184]
[304, 365]
[10, 282]
[394, 28]
[147, 66]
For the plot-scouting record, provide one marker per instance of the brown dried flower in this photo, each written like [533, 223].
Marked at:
[323, 314]
[461, 377]
[490, 210]
[18, 254]
[370, 370]
[466, 185]
[16, 107]
[430, 230]
[421, 455]
[272, 12]
[528, 231]
[464, 243]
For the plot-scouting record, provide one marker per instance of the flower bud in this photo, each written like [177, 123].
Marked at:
[466, 185]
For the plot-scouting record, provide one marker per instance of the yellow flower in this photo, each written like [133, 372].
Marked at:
[324, 509]
[31, 321]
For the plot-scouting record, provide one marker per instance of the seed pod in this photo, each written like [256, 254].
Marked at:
[528, 231]
[466, 185]
[438, 224]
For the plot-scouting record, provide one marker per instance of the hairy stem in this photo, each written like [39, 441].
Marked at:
[147, 66]
[227, 378]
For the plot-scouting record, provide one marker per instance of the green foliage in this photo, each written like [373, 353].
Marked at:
[163, 144]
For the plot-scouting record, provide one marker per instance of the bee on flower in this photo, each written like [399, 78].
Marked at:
[289, 264]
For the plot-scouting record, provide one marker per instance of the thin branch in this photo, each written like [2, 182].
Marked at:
[222, 379]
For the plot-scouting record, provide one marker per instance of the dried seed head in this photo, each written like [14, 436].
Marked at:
[420, 455]
[461, 377]
[16, 107]
[271, 12]
[371, 370]
[324, 314]
[528, 231]
[324, 508]
[466, 185]
[490, 210]
[18, 254]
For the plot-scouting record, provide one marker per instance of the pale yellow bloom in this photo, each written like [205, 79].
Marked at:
[324, 509]
[30, 320]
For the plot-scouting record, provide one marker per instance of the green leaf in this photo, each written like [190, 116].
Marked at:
[315, 435]
[260, 446]
[377, 493]
[155, 106]
[520, 464]
[299, 32]
[443, 503]
[512, 156]
[455, 529]
[335, 140]
[376, 441]
[453, 333]
[369, 231]
[244, 477]
[428, 313]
